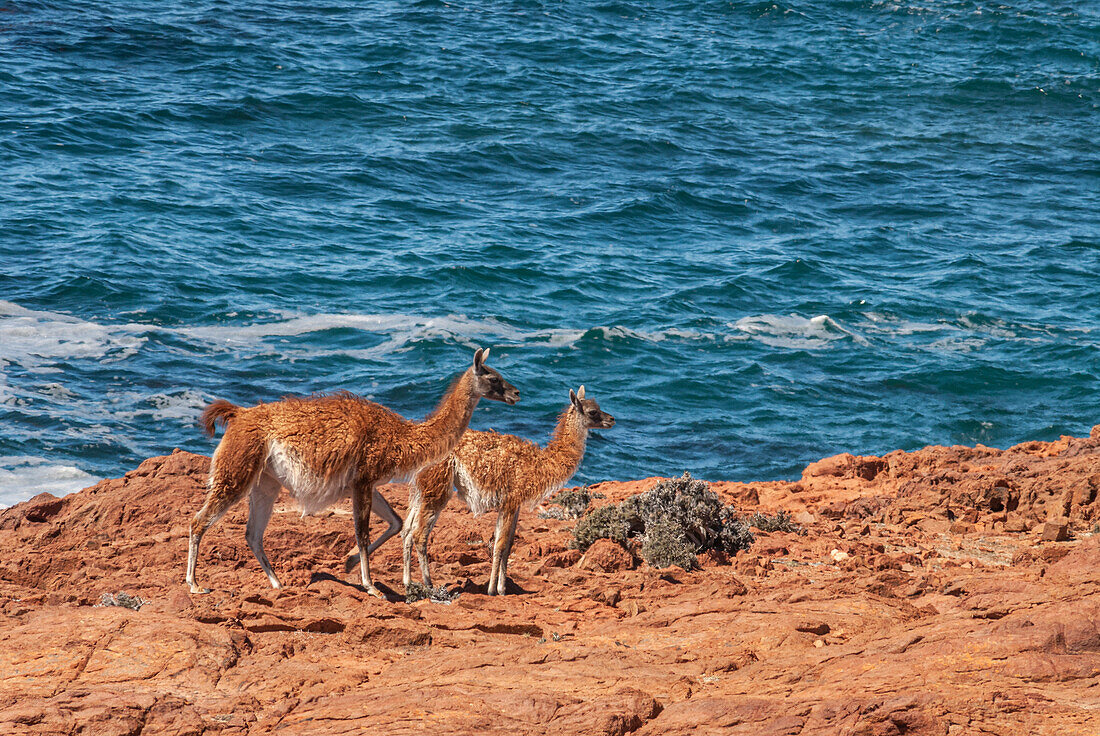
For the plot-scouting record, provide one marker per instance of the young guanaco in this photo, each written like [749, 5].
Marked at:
[501, 472]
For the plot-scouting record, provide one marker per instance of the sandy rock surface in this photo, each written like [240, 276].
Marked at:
[930, 595]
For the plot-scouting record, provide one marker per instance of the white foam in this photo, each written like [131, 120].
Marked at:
[454, 325]
[964, 334]
[569, 337]
[995, 328]
[182, 406]
[35, 340]
[22, 477]
[618, 331]
[793, 331]
[560, 338]
[689, 334]
[56, 391]
[959, 344]
[883, 324]
[7, 395]
[38, 340]
[405, 330]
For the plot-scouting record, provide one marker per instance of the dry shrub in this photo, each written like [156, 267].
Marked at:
[675, 520]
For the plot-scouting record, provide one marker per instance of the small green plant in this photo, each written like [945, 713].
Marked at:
[418, 592]
[781, 522]
[122, 600]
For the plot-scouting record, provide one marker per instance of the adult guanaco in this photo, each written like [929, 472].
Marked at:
[326, 448]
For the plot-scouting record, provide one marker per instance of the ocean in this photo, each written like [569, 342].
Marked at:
[759, 233]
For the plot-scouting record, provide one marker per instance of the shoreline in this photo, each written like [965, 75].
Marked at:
[934, 591]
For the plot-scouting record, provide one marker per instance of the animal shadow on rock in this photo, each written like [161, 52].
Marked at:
[388, 593]
[513, 588]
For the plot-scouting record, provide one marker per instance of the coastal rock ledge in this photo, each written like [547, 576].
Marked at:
[951, 590]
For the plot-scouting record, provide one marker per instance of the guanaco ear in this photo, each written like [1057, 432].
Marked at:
[580, 393]
[479, 359]
[574, 400]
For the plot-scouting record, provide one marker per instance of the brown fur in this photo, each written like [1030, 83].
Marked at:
[328, 447]
[220, 412]
[507, 473]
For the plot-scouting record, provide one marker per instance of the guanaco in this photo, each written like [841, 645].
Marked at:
[326, 448]
[502, 472]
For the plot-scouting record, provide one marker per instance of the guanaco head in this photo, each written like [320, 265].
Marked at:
[490, 384]
[590, 411]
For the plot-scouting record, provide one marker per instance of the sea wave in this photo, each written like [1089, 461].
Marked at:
[39, 340]
[35, 340]
[794, 331]
[180, 406]
[404, 331]
[22, 477]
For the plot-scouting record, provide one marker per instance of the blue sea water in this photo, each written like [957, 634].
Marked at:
[758, 232]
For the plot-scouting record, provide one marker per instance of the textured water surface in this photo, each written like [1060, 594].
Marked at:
[759, 233]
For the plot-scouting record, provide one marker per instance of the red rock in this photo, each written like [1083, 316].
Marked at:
[1056, 530]
[955, 587]
[469, 558]
[868, 467]
[1011, 627]
[803, 518]
[935, 526]
[819, 628]
[383, 636]
[42, 507]
[846, 465]
[606, 555]
[836, 466]
[559, 559]
[611, 597]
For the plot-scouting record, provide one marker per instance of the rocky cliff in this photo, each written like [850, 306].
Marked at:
[952, 590]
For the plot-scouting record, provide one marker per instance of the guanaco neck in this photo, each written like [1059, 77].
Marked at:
[434, 438]
[566, 448]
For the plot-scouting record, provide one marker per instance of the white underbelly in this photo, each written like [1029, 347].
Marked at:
[477, 499]
[313, 492]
